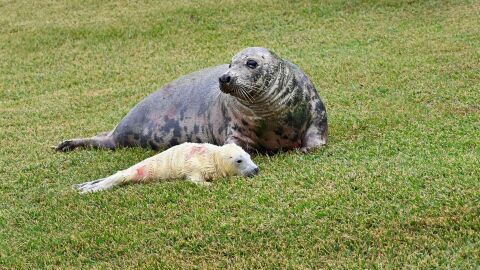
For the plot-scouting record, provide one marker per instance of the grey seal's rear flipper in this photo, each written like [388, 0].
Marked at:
[99, 141]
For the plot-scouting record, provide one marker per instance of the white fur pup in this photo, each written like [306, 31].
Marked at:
[195, 162]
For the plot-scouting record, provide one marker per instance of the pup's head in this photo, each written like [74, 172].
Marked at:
[236, 161]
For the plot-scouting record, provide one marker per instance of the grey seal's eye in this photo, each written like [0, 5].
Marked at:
[252, 64]
[229, 66]
[239, 161]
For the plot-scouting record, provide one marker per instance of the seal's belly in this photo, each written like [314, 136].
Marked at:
[272, 135]
[286, 140]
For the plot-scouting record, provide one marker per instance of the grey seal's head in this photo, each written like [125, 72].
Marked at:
[252, 74]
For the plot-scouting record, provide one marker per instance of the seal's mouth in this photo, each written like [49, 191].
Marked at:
[234, 87]
[226, 88]
[251, 173]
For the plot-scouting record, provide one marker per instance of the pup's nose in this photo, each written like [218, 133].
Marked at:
[225, 78]
[252, 172]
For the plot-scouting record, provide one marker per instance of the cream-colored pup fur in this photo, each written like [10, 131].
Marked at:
[195, 162]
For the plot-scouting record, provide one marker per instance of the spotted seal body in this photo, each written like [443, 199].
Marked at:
[259, 102]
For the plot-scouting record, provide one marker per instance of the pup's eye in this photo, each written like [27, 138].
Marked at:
[252, 64]
[239, 161]
[229, 66]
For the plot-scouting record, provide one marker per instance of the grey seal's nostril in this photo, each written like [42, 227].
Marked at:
[256, 170]
[224, 78]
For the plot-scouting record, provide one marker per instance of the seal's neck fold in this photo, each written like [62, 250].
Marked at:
[278, 91]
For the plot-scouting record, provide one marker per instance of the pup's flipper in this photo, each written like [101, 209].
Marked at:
[96, 185]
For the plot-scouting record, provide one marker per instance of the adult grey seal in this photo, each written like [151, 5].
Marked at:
[259, 102]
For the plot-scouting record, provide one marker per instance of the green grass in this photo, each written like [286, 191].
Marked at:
[397, 186]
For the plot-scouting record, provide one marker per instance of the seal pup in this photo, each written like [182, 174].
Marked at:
[259, 102]
[195, 162]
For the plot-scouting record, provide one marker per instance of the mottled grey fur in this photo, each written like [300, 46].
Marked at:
[266, 107]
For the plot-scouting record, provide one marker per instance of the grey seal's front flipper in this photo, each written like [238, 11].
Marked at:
[99, 141]
[315, 137]
[317, 134]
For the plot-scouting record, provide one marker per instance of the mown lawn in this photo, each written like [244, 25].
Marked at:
[397, 186]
